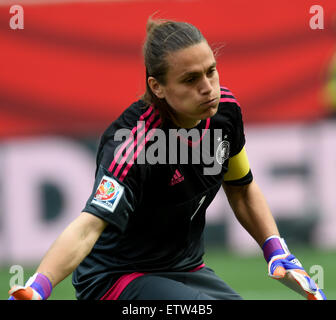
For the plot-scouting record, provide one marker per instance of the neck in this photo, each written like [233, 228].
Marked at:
[186, 124]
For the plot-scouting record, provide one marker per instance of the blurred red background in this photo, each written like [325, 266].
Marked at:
[75, 67]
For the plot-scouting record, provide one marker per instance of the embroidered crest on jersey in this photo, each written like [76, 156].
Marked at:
[108, 193]
[223, 151]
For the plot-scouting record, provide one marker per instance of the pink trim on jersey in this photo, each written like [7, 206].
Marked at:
[140, 147]
[133, 145]
[124, 147]
[198, 268]
[224, 88]
[120, 285]
[142, 117]
[195, 143]
[229, 100]
[229, 93]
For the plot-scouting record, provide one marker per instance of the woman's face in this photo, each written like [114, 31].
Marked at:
[192, 84]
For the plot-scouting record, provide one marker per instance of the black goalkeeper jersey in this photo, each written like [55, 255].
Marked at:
[153, 185]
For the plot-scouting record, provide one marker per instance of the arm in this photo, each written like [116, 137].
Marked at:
[71, 247]
[251, 210]
[66, 253]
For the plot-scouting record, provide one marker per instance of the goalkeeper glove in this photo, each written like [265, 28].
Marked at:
[286, 268]
[38, 287]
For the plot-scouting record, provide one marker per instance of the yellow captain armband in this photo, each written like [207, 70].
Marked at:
[238, 167]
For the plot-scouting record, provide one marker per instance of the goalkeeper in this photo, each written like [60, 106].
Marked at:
[140, 235]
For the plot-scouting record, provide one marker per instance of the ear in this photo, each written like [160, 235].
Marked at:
[156, 87]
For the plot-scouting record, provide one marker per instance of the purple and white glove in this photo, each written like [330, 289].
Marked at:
[38, 287]
[286, 268]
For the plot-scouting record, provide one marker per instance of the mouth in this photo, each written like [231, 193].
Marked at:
[210, 103]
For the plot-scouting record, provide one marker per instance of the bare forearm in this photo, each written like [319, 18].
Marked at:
[70, 248]
[252, 211]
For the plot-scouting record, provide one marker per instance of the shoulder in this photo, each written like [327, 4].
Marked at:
[229, 107]
[123, 142]
[228, 97]
[129, 119]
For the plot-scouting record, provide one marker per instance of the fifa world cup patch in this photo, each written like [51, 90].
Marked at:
[108, 193]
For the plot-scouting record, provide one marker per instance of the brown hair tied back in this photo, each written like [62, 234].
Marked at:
[163, 37]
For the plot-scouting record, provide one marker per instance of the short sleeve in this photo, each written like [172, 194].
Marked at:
[238, 140]
[114, 195]
[239, 172]
[231, 118]
[111, 199]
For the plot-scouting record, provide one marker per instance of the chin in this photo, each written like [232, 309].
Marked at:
[210, 112]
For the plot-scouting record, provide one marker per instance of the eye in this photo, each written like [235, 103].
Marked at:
[211, 71]
[190, 80]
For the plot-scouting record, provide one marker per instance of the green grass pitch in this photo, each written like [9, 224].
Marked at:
[245, 274]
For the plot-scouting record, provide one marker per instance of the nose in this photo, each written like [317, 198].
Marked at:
[205, 86]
